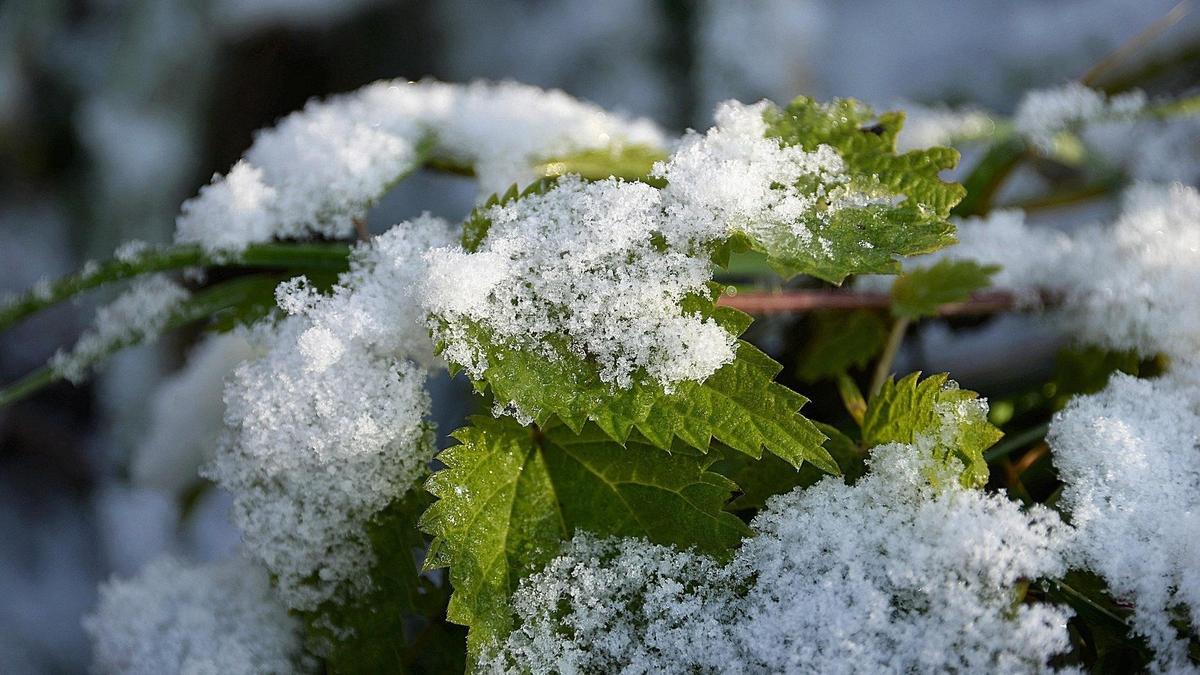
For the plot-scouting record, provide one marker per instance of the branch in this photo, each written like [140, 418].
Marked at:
[799, 301]
[330, 257]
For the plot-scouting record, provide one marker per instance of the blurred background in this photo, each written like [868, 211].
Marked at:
[112, 112]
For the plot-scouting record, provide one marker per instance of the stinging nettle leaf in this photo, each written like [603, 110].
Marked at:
[889, 205]
[934, 409]
[841, 341]
[740, 404]
[510, 495]
[920, 292]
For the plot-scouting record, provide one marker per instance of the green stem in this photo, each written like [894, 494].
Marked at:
[884, 367]
[328, 257]
[202, 305]
[1009, 444]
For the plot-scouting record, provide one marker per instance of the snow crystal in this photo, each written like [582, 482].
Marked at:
[141, 311]
[733, 179]
[837, 580]
[1132, 285]
[1130, 458]
[375, 302]
[1043, 113]
[321, 168]
[179, 618]
[186, 414]
[582, 261]
[326, 427]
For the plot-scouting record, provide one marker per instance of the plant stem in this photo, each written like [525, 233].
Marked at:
[326, 257]
[990, 173]
[884, 367]
[202, 305]
[1009, 444]
[794, 301]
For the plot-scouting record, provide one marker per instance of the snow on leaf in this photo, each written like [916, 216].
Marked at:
[510, 495]
[887, 205]
[937, 412]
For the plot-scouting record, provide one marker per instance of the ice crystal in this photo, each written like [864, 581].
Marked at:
[178, 618]
[320, 169]
[1130, 458]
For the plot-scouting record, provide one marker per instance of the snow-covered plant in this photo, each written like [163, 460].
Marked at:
[641, 492]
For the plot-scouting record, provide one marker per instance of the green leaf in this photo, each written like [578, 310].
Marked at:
[375, 622]
[841, 341]
[937, 410]
[739, 405]
[630, 162]
[920, 292]
[510, 495]
[907, 203]
[763, 478]
[475, 227]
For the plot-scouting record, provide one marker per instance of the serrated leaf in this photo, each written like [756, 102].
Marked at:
[475, 227]
[896, 205]
[739, 404]
[910, 408]
[763, 478]
[920, 292]
[510, 495]
[841, 341]
[370, 630]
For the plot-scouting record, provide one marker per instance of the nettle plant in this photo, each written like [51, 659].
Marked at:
[639, 493]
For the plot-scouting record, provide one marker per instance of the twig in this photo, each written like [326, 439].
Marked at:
[798, 301]
[1135, 43]
[883, 367]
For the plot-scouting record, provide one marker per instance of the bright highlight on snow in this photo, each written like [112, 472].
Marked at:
[322, 168]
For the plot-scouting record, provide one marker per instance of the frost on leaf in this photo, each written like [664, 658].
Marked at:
[837, 579]
[882, 206]
[577, 306]
[510, 495]
[934, 413]
[323, 167]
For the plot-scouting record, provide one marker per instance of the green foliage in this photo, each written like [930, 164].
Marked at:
[909, 203]
[920, 292]
[763, 478]
[631, 162]
[510, 495]
[841, 341]
[475, 227]
[938, 411]
[739, 405]
[376, 621]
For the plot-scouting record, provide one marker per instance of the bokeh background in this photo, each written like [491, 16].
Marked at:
[112, 112]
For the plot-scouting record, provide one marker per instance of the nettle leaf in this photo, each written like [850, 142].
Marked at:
[740, 404]
[370, 634]
[475, 228]
[630, 162]
[936, 410]
[510, 495]
[763, 478]
[920, 292]
[841, 341]
[895, 205]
